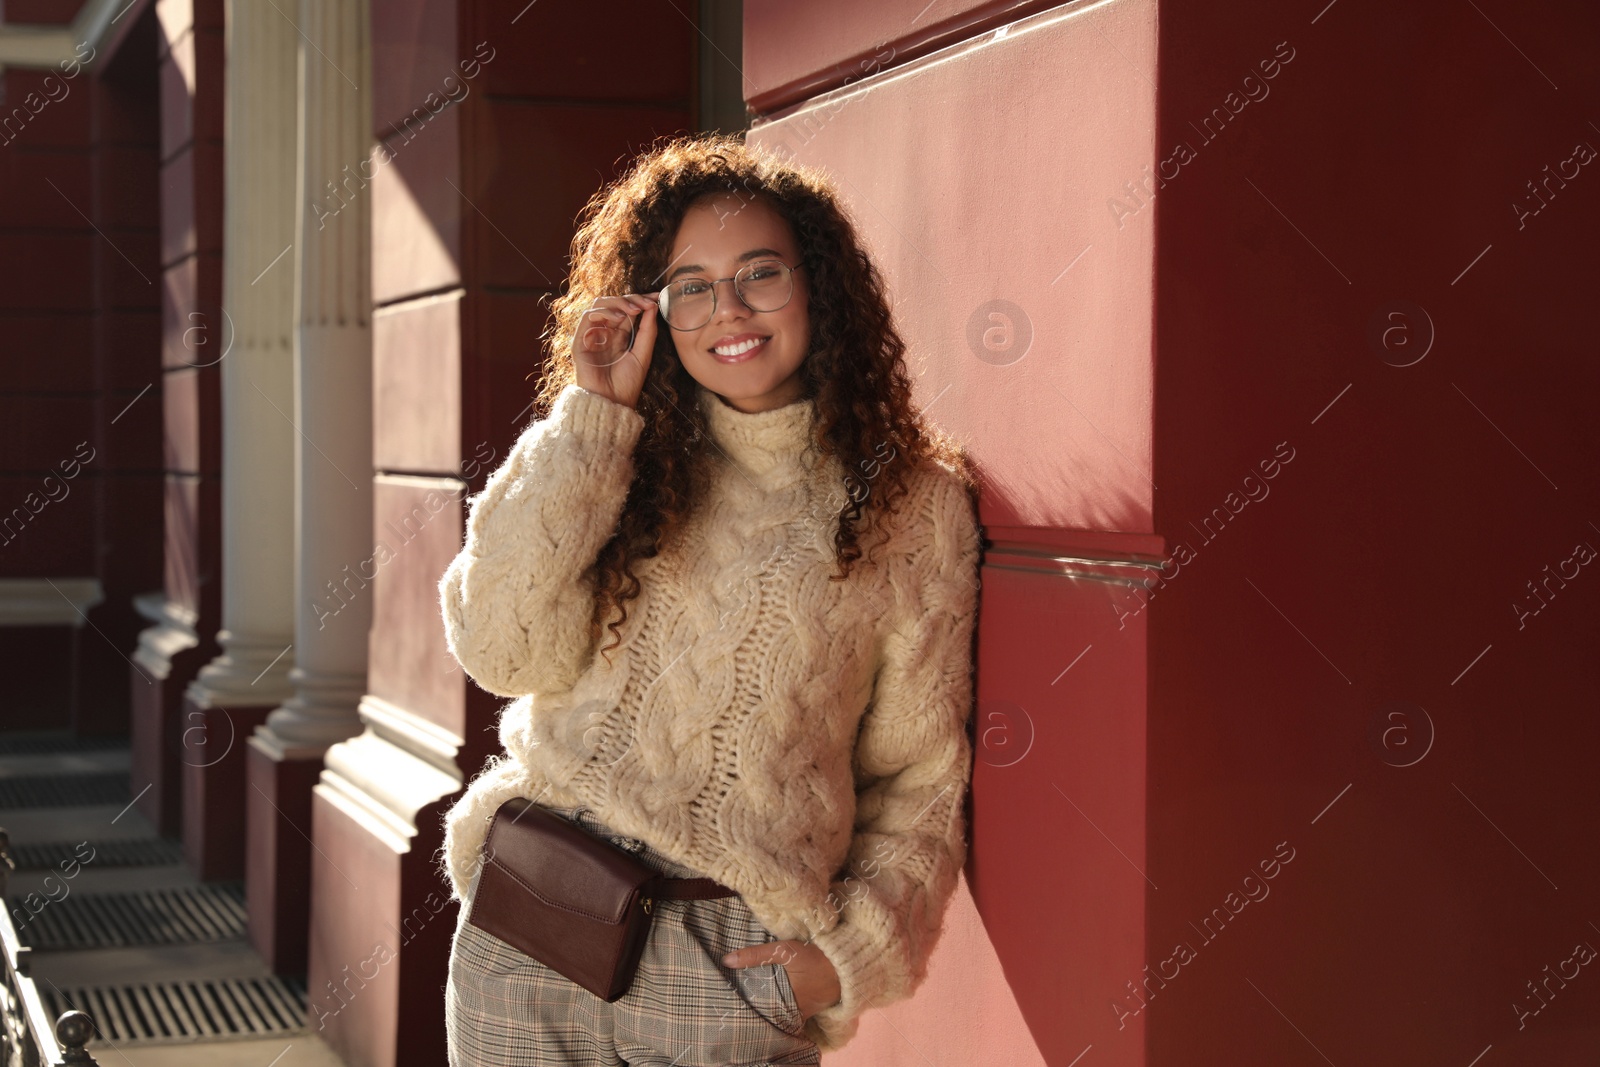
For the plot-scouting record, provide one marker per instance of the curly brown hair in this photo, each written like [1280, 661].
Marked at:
[855, 370]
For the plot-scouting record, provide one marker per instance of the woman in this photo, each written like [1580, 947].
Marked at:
[730, 426]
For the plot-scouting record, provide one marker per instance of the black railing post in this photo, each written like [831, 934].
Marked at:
[26, 1036]
[73, 1030]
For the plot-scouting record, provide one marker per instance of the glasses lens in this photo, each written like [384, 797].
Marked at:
[765, 286]
[688, 304]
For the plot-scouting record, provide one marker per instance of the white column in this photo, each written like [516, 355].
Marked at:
[256, 340]
[332, 385]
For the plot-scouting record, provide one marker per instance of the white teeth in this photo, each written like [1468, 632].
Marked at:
[734, 350]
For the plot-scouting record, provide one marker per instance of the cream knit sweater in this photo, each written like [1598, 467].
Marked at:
[803, 741]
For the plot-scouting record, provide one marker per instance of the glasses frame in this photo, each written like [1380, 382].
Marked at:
[736, 291]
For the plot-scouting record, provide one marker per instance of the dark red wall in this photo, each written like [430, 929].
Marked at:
[1376, 177]
[79, 342]
[195, 335]
[1373, 382]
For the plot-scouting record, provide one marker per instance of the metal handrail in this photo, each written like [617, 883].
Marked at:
[28, 1038]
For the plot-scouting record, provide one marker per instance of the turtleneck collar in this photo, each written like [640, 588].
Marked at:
[769, 446]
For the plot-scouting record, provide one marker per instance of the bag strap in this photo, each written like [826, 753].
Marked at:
[663, 888]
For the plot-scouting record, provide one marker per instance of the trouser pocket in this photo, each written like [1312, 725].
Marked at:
[715, 1014]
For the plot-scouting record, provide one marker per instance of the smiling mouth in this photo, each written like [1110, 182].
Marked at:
[741, 350]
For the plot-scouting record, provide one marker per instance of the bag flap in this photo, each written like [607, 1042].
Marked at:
[562, 864]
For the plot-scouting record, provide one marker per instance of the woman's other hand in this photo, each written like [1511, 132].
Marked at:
[605, 363]
[811, 974]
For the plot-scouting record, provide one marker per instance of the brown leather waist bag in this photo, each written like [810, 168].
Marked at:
[577, 904]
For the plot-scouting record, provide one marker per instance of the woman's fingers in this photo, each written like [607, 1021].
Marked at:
[628, 303]
[599, 320]
[765, 952]
[812, 976]
[646, 341]
[612, 345]
[617, 311]
[633, 311]
[604, 314]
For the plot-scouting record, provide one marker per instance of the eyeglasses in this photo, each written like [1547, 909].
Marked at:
[765, 285]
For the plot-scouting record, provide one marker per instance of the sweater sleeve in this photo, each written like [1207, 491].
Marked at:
[912, 763]
[516, 611]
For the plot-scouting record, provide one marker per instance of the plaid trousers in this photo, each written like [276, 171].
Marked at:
[684, 1009]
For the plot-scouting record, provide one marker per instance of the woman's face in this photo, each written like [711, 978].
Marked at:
[719, 235]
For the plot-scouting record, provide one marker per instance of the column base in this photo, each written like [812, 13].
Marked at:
[384, 921]
[212, 754]
[277, 864]
[167, 659]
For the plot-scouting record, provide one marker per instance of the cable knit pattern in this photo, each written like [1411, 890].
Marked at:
[803, 741]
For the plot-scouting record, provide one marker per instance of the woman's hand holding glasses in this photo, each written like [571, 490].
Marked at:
[609, 353]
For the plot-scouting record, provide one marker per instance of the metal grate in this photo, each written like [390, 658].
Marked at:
[133, 852]
[44, 742]
[188, 915]
[210, 1010]
[63, 791]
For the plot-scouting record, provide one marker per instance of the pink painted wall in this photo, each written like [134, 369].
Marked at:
[979, 171]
